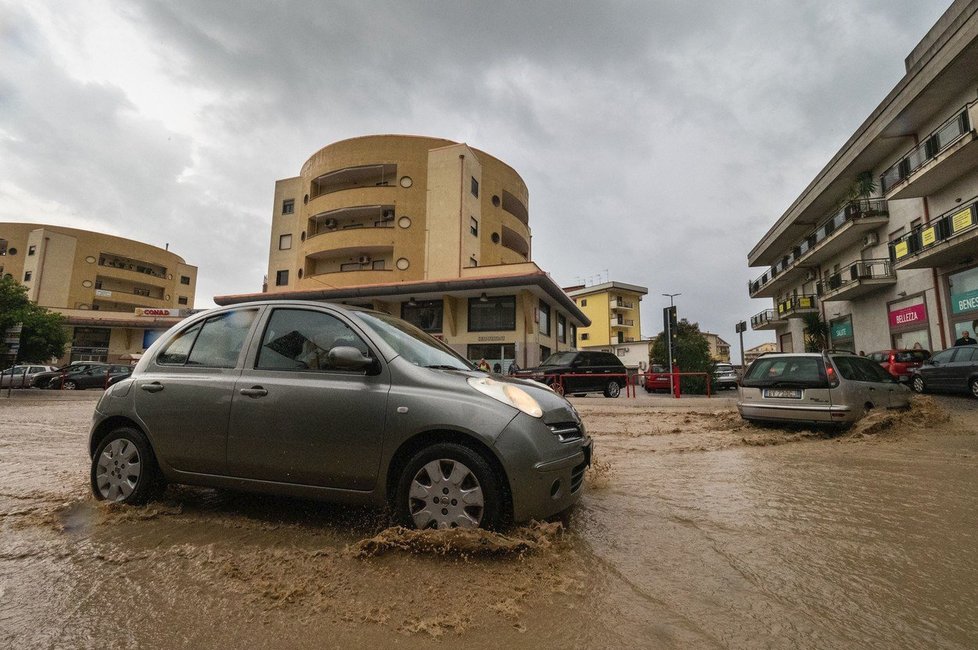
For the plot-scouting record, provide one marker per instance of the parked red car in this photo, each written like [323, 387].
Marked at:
[900, 363]
[656, 379]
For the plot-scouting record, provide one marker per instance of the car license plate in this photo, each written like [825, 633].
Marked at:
[783, 393]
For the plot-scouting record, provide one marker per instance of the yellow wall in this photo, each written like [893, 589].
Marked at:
[599, 310]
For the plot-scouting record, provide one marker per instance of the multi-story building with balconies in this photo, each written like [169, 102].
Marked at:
[614, 309]
[884, 241]
[116, 294]
[427, 229]
[394, 208]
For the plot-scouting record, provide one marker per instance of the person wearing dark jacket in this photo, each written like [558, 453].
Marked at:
[965, 339]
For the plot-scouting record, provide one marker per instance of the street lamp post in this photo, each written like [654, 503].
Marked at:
[672, 377]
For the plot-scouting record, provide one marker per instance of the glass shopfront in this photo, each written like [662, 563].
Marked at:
[909, 324]
[840, 331]
[499, 356]
[963, 302]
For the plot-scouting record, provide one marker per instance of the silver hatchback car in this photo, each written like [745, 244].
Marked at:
[828, 387]
[316, 400]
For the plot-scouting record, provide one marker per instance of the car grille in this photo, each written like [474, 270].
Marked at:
[577, 477]
[567, 431]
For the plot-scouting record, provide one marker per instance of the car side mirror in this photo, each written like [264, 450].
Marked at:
[345, 357]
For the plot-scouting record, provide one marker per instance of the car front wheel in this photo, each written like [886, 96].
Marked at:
[448, 485]
[973, 384]
[70, 385]
[613, 389]
[124, 468]
[918, 384]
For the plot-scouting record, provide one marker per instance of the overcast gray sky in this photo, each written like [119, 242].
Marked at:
[659, 139]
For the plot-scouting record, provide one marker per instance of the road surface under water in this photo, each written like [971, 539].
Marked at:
[696, 531]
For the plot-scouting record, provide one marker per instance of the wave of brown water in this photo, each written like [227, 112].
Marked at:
[697, 530]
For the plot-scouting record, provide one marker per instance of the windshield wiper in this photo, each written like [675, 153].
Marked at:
[442, 366]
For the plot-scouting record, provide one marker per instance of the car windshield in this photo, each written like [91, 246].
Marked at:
[411, 343]
[559, 359]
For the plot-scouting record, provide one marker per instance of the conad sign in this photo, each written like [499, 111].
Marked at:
[908, 315]
[147, 311]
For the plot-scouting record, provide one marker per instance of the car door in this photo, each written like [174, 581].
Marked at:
[296, 418]
[960, 369]
[880, 387]
[936, 373]
[183, 396]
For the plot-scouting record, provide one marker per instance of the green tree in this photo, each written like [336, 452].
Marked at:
[692, 355]
[43, 335]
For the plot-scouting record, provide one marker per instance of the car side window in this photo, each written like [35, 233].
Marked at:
[300, 339]
[846, 368]
[216, 343]
[866, 370]
[944, 356]
[964, 354]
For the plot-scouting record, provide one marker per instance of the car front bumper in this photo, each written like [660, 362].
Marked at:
[546, 475]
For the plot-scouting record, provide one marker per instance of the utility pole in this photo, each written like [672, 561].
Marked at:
[671, 320]
[741, 326]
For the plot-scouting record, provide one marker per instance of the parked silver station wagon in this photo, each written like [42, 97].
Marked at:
[838, 387]
[316, 400]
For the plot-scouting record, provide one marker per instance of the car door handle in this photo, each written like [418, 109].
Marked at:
[155, 387]
[254, 391]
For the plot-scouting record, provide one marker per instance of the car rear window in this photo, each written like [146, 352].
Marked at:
[911, 356]
[794, 371]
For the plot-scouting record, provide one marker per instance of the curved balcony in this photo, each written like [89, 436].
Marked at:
[361, 176]
[348, 278]
[515, 207]
[132, 275]
[515, 242]
[379, 195]
[336, 242]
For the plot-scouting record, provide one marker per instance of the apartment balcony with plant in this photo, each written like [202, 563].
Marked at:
[844, 228]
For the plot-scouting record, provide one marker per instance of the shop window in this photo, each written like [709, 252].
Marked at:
[544, 313]
[424, 314]
[492, 314]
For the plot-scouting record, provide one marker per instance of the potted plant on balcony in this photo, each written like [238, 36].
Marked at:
[862, 187]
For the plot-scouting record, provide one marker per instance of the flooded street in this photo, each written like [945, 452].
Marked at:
[696, 530]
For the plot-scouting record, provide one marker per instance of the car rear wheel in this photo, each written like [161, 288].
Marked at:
[70, 385]
[448, 485]
[124, 468]
[613, 389]
[918, 384]
[973, 384]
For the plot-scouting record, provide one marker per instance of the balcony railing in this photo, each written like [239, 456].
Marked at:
[945, 228]
[796, 306]
[766, 319]
[851, 212]
[622, 304]
[945, 135]
[622, 322]
[856, 278]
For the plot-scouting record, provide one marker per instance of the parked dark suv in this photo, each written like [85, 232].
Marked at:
[603, 373]
[954, 370]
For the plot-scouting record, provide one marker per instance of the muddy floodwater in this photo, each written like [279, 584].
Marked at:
[696, 530]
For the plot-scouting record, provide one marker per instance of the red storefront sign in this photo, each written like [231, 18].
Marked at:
[908, 315]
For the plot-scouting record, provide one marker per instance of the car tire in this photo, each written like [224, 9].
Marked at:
[124, 468]
[69, 385]
[973, 385]
[454, 473]
[917, 383]
[613, 389]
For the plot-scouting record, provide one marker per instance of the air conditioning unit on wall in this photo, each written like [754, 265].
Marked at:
[870, 239]
[330, 223]
[809, 276]
[364, 259]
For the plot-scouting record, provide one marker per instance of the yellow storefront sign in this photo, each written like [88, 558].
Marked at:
[901, 250]
[961, 220]
[928, 236]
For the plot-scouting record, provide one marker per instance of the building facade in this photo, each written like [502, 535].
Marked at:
[500, 314]
[117, 294]
[614, 311]
[883, 243]
[394, 208]
[750, 354]
[719, 349]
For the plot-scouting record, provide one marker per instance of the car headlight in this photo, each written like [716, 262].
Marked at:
[507, 394]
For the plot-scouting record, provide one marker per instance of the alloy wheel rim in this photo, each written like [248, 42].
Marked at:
[614, 389]
[918, 384]
[69, 385]
[446, 494]
[118, 470]
[974, 387]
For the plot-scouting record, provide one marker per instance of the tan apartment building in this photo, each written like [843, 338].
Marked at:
[427, 229]
[394, 208]
[719, 349]
[117, 294]
[750, 354]
[884, 241]
[614, 309]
